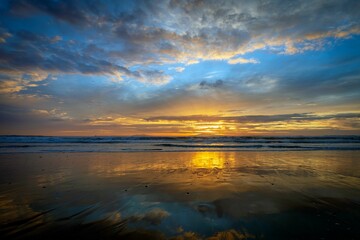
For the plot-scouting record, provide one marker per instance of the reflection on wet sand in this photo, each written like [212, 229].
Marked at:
[187, 195]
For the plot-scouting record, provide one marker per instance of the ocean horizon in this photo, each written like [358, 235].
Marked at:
[14, 144]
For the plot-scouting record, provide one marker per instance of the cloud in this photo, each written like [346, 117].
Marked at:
[10, 86]
[256, 118]
[205, 84]
[68, 11]
[30, 52]
[86, 59]
[56, 39]
[192, 61]
[242, 61]
[12, 83]
[261, 84]
[179, 69]
[153, 77]
[181, 31]
[4, 35]
[21, 57]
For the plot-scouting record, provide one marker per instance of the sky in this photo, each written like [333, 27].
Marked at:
[179, 67]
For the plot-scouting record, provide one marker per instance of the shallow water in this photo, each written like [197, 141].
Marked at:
[181, 195]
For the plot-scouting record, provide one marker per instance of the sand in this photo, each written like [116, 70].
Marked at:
[181, 195]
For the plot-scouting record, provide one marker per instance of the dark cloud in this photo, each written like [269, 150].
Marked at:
[74, 12]
[216, 84]
[30, 52]
[216, 30]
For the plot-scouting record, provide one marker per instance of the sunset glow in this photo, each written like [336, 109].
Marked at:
[179, 68]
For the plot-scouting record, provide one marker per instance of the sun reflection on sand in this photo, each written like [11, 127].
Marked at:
[211, 159]
[149, 162]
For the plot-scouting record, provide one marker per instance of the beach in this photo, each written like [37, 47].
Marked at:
[180, 195]
[179, 120]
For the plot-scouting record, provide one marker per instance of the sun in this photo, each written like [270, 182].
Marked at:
[212, 128]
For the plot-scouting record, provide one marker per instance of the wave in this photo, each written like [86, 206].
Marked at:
[9, 144]
[261, 146]
[244, 139]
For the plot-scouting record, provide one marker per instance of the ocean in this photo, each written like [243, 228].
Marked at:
[17, 144]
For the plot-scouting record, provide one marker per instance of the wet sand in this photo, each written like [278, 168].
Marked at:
[181, 195]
